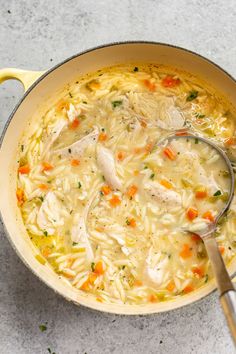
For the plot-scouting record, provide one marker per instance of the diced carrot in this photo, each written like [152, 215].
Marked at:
[43, 186]
[75, 162]
[136, 172]
[221, 249]
[188, 289]
[171, 286]
[196, 238]
[131, 222]
[93, 85]
[186, 251]
[191, 213]
[143, 123]
[149, 85]
[115, 201]
[62, 104]
[46, 251]
[148, 147]
[198, 271]
[200, 194]
[20, 195]
[121, 155]
[92, 277]
[208, 215]
[153, 298]
[106, 190]
[138, 150]
[138, 282]
[99, 268]
[230, 141]
[85, 286]
[166, 184]
[24, 170]
[102, 136]
[169, 153]
[74, 124]
[169, 81]
[181, 132]
[132, 190]
[46, 166]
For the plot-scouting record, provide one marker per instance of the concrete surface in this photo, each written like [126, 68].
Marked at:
[36, 35]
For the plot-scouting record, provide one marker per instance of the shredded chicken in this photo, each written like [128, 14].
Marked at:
[54, 134]
[106, 163]
[162, 194]
[157, 266]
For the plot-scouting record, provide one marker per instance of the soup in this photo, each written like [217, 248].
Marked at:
[114, 211]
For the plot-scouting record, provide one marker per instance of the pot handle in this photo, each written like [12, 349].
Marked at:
[26, 77]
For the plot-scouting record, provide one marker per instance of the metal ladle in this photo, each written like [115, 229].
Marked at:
[225, 286]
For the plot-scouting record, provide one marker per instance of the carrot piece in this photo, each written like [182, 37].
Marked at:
[115, 201]
[171, 286]
[74, 124]
[166, 184]
[149, 85]
[138, 150]
[169, 153]
[46, 251]
[24, 170]
[169, 81]
[102, 137]
[208, 215]
[137, 282]
[92, 277]
[20, 195]
[106, 190]
[46, 166]
[93, 85]
[75, 162]
[99, 268]
[121, 155]
[85, 286]
[191, 213]
[196, 238]
[132, 190]
[188, 289]
[43, 187]
[198, 271]
[221, 249]
[181, 132]
[201, 193]
[186, 251]
[230, 141]
[62, 104]
[152, 298]
[131, 222]
[143, 124]
[148, 147]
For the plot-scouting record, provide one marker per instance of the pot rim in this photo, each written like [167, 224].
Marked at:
[2, 136]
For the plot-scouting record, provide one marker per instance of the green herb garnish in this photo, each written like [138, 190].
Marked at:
[45, 233]
[206, 278]
[192, 95]
[93, 266]
[116, 104]
[136, 68]
[69, 150]
[198, 115]
[74, 243]
[70, 95]
[127, 222]
[217, 193]
[79, 185]
[196, 140]
[43, 327]
[41, 198]
[22, 148]
[85, 102]
[152, 175]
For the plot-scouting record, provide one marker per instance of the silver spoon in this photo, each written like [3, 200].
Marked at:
[225, 286]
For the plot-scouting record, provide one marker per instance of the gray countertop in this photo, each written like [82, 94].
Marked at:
[37, 35]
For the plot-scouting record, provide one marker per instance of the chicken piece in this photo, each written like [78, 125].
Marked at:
[169, 118]
[72, 113]
[79, 232]
[157, 265]
[76, 149]
[49, 215]
[162, 194]
[106, 163]
[54, 134]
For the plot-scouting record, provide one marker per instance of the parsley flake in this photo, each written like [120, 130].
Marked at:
[217, 193]
[116, 104]
[192, 95]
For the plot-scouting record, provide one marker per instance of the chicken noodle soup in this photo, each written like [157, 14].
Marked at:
[107, 205]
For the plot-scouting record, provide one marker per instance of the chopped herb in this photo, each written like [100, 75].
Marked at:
[136, 68]
[50, 351]
[74, 243]
[79, 185]
[127, 222]
[71, 211]
[116, 104]
[192, 95]
[206, 278]
[103, 130]
[217, 193]
[41, 198]
[145, 167]
[198, 115]
[93, 266]
[201, 254]
[22, 148]
[103, 178]
[69, 150]
[85, 102]
[70, 95]
[123, 267]
[169, 256]
[152, 175]
[196, 140]
[43, 327]
[45, 233]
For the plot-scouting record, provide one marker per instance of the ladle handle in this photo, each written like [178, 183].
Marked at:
[224, 283]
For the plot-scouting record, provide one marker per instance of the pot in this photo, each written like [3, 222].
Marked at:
[40, 88]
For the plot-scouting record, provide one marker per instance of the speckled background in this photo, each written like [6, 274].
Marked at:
[37, 35]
